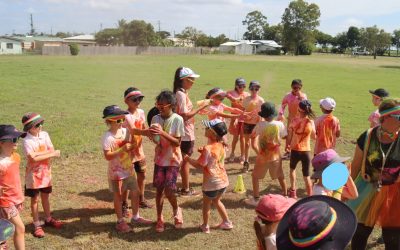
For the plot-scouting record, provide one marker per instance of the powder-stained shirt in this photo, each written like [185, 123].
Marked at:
[184, 106]
[374, 118]
[239, 100]
[136, 121]
[37, 174]
[214, 174]
[292, 102]
[10, 183]
[270, 135]
[301, 128]
[119, 167]
[326, 127]
[252, 105]
[167, 155]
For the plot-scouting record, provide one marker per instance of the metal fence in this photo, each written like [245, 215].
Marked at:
[123, 50]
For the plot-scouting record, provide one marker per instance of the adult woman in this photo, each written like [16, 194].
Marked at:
[183, 82]
[376, 167]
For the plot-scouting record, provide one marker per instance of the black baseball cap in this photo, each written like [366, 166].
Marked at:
[217, 125]
[268, 110]
[380, 92]
[8, 132]
[240, 81]
[254, 84]
[113, 111]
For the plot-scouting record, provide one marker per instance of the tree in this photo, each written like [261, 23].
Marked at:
[341, 42]
[163, 34]
[375, 40]
[353, 36]
[109, 37]
[256, 23]
[63, 34]
[323, 39]
[396, 40]
[139, 33]
[273, 32]
[299, 21]
[190, 33]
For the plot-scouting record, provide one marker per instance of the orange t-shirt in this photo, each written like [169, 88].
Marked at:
[136, 120]
[10, 183]
[301, 128]
[253, 105]
[326, 127]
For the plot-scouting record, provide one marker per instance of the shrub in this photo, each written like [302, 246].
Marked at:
[74, 48]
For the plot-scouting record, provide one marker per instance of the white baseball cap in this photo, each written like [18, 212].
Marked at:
[328, 103]
[187, 72]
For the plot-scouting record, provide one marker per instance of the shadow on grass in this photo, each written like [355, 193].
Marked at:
[390, 66]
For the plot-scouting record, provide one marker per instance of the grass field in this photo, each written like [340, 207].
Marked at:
[71, 92]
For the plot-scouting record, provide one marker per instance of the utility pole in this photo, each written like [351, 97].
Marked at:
[32, 29]
[159, 25]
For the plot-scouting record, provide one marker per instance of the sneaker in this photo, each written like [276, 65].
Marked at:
[292, 193]
[160, 226]
[178, 218]
[190, 193]
[246, 166]
[260, 236]
[141, 220]
[241, 160]
[226, 225]
[53, 223]
[145, 204]
[125, 211]
[252, 201]
[205, 228]
[123, 227]
[38, 232]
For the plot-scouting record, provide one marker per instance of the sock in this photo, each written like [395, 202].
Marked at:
[136, 217]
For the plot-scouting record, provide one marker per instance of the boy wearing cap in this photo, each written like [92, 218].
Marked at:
[252, 105]
[327, 126]
[215, 179]
[11, 197]
[38, 150]
[270, 134]
[270, 211]
[121, 176]
[377, 97]
[135, 121]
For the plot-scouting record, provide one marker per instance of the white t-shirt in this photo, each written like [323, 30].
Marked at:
[270, 135]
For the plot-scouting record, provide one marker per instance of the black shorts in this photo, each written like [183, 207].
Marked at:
[187, 147]
[304, 157]
[30, 192]
[140, 166]
[214, 194]
[248, 128]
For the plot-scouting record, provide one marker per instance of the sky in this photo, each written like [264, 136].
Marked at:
[213, 17]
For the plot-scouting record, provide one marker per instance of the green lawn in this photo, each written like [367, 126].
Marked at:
[71, 92]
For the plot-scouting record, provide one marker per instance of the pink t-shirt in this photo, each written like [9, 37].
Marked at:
[292, 101]
[184, 106]
[374, 118]
[120, 167]
[214, 174]
[238, 103]
[136, 120]
[10, 183]
[37, 174]
[302, 129]
[167, 155]
[253, 105]
[270, 135]
[213, 110]
[326, 127]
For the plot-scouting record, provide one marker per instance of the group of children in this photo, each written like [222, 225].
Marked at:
[253, 122]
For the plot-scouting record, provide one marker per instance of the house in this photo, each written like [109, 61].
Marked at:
[249, 47]
[181, 42]
[84, 40]
[10, 46]
[37, 42]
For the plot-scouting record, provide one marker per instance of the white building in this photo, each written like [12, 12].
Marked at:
[10, 46]
[249, 47]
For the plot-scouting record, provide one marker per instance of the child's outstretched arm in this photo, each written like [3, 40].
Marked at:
[193, 162]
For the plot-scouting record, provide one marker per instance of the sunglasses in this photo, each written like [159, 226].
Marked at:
[255, 89]
[137, 99]
[241, 86]
[192, 80]
[397, 117]
[122, 120]
[39, 125]
[13, 140]
[162, 106]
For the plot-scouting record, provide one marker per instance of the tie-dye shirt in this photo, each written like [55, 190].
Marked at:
[120, 167]
[239, 97]
[10, 182]
[301, 128]
[37, 174]
[326, 127]
[270, 135]
[136, 120]
[374, 119]
[253, 105]
[292, 101]
[167, 155]
[184, 106]
[214, 173]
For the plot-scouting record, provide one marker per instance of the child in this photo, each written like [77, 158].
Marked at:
[320, 162]
[121, 175]
[135, 123]
[167, 129]
[291, 100]
[377, 97]
[11, 197]
[301, 131]
[252, 104]
[215, 179]
[270, 134]
[38, 151]
[327, 126]
[216, 108]
[270, 211]
[236, 97]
